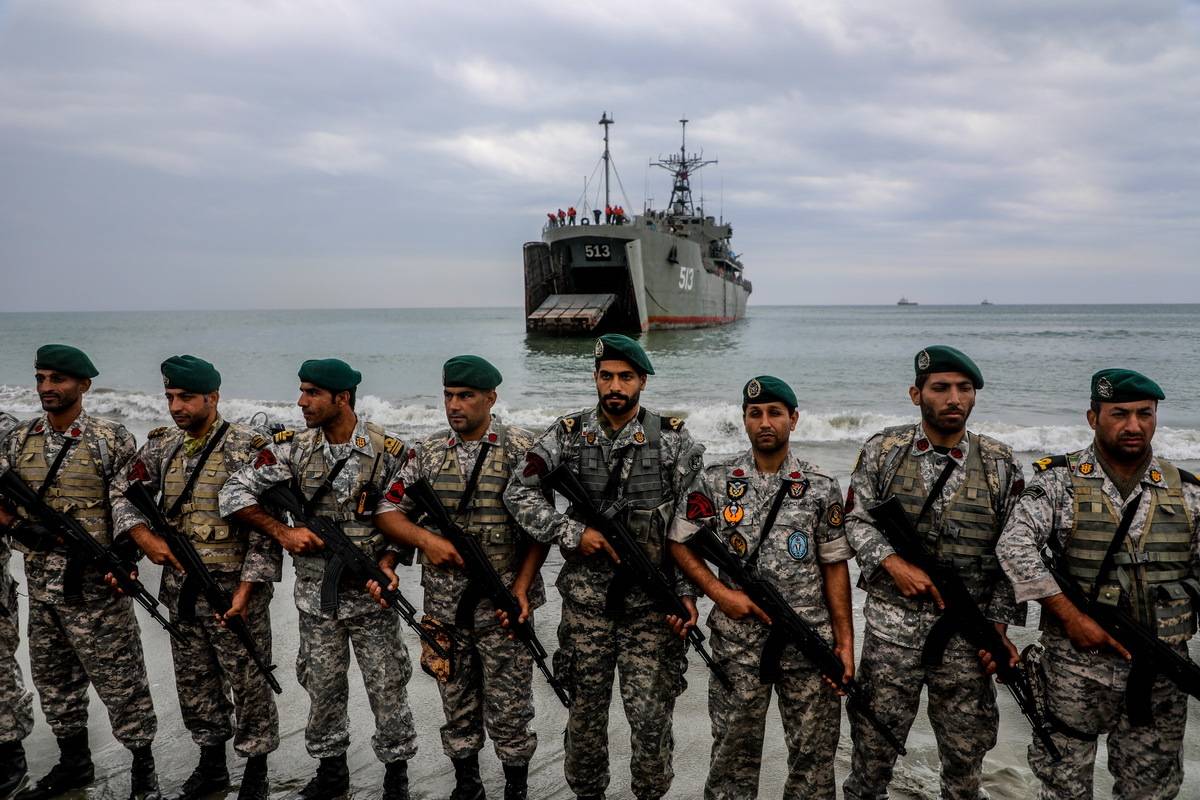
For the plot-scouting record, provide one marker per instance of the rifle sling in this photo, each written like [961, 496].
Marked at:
[52, 475]
[935, 492]
[1117, 542]
[769, 520]
[473, 481]
[310, 504]
[186, 494]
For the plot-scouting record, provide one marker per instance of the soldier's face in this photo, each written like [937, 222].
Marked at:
[619, 386]
[191, 411]
[59, 392]
[946, 401]
[319, 406]
[1124, 430]
[769, 426]
[468, 410]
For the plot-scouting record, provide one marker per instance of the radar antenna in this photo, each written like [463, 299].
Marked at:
[682, 167]
[606, 120]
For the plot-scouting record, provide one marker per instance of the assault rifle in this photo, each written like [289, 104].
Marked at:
[197, 578]
[962, 615]
[83, 550]
[484, 581]
[636, 568]
[787, 627]
[344, 556]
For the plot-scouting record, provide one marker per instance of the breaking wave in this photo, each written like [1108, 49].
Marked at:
[718, 426]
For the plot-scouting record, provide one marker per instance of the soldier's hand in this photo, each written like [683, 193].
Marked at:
[736, 604]
[155, 547]
[441, 553]
[845, 652]
[376, 591]
[239, 605]
[115, 585]
[1088, 637]
[522, 603]
[911, 580]
[990, 665]
[682, 626]
[592, 541]
[300, 541]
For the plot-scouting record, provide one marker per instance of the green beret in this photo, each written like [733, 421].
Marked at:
[470, 371]
[768, 389]
[940, 358]
[621, 347]
[65, 359]
[330, 373]
[190, 374]
[1124, 386]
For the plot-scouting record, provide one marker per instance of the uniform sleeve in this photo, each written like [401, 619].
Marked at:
[1029, 527]
[865, 539]
[124, 449]
[144, 466]
[529, 506]
[1191, 499]
[1003, 606]
[263, 562]
[405, 472]
[270, 466]
[832, 544]
[694, 507]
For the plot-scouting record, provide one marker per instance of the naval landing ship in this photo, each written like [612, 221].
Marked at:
[670, 268]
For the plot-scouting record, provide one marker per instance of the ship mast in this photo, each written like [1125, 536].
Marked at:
[681, 168]
[606, 120]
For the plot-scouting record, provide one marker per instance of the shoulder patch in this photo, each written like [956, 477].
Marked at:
[392, 445]
[283, 437]
[1043, 464]
[157, 432]
[674, 423]
[569, 423]
[1188, 477]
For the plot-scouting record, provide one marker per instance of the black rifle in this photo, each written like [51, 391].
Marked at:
[344, 555]
[636, 568]
[484, 581]
[1151, 655]
[962, 614]
[82, 550]
[787, 627]
[197, 578]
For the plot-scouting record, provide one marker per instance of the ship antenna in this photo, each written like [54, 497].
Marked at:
[606, 120]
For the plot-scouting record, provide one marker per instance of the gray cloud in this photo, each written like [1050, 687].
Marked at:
[313, 153]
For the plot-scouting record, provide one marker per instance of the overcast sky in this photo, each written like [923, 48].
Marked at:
[313, 153]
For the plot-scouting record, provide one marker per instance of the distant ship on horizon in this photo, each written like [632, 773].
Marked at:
[904, 301]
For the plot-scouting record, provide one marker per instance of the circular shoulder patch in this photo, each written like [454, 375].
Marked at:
[798, 545]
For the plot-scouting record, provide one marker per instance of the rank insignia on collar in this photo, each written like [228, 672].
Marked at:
[736, 489]
[739, 472]
[39, 427]
[753, 389]
[590, 437]
[738, 543]
[493, 438]
[923, 445]
[360, 441]
[836, 516]
[1155, 475]
[1086, 468]
[796, 489]
[923, 360]
[568, 424]
[639, 437]
[733, 513]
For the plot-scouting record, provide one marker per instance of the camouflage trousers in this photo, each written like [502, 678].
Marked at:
[96, 642]
[16, 703]
[811, 715]
[962, 713]
[490, 686]
[216, 679]
[322, 666]
[1146, 762]
[650, 663]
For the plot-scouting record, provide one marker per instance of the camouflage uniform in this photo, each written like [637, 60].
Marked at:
[808, 532]
[961, 528]
[211, 664]
[1085, 690]
[95, 640]
[324, 656]
[490, 681]
[16, 703]
[650, 660]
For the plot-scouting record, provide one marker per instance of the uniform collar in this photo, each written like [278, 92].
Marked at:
[360, 439]
[76, 431]
[193, 443]
[490, 436]
[1088, 466]
[632, 434]
[922, 446]
[789, 470]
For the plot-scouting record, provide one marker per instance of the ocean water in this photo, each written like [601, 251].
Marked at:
[850, 366]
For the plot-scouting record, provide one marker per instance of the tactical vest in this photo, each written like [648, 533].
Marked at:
[312, 475]
[1154, 575]
[648, 507]
[964, 534]
[221, 546]
[81, 487]
[487, 517]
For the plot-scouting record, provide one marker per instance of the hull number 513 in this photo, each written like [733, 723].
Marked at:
[597, 252]
[687, 278]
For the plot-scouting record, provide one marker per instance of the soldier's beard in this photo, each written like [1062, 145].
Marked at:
[618, 404]
[941, 425]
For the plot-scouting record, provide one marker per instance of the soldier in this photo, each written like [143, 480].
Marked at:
[16, 703]
[784, 515]
[620, 452]
[957, 487]
[1075, 503]
[72, 457]
[340, 464]
[189, 464]
[487, 681]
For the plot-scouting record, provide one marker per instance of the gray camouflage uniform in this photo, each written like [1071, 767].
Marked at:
[211, 665]
[638, 644]
[808, 532]
[16, 702]
[490, 682]
[962, 699]
[1085, 690]
[95, 640]
[324, 656]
